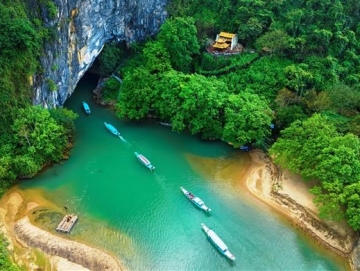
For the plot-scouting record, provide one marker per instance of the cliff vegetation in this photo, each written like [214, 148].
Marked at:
[31, 136]
[299, 70]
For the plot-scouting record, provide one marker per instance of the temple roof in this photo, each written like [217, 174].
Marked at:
[221, 40]
[226, 35]
[221, 45]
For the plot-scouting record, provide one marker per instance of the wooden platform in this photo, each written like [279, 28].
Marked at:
[67, 223]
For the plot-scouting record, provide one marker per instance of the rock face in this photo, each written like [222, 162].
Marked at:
[355, 258]
[80, 29]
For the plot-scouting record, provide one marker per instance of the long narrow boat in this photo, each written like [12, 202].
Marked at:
[143, 160]
[196, 200]
[86, 108]
[218, 243]
[112, 129]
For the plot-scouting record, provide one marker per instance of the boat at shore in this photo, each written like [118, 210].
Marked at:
[218, 243]
[112, 129]
[86, 108]
[166, 124]
[196, 200]
[143, 160]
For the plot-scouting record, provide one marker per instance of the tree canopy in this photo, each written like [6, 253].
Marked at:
[314, 149]
[179, 36]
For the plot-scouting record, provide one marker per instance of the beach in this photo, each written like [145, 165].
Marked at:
[60, 254]
[286, 193]
[289, 195]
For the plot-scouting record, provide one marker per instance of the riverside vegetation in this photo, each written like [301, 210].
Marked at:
[31, 136]
[302, 74]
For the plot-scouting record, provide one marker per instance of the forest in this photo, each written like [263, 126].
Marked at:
[299, 72]
[31, 136]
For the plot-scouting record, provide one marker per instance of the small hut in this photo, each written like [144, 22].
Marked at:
[225, 40]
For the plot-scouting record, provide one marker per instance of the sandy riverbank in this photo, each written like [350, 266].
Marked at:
[284, 192]
[58, 253]
[289, 195]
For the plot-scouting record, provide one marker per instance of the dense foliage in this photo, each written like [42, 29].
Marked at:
[316, 150]
[204, 105]
[299, 71]
[31, 137]
[5, 263]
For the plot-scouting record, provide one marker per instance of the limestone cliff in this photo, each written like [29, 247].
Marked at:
[81, 28]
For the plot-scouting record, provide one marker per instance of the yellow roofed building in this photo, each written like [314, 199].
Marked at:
[225, 40]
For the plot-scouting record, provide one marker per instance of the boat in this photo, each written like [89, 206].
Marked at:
[218, 243]
[86, 108]
[196, 200]
[112, 129]
[143, 160]
[166, 124]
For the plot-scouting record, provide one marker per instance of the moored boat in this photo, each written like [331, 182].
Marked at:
[86, 108]
[166, 124]
[112, 129]
[196, 200]
[218, 243]
[143, 160]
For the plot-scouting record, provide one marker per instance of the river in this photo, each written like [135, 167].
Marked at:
[142, 218]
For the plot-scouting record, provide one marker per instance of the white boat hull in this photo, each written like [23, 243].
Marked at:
[143, 160]
[195, 200]
[218, 243]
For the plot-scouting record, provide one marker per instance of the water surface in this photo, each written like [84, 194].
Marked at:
[143, 218]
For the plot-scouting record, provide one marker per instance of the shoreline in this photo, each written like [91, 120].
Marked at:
[261, 179]
[61, 254]
[287, 194]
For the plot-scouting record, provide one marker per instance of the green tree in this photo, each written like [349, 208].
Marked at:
[109, 58]
[339, 172]
[247, 119]
[179, 36]
[276, 40]
[39, 140]
[300, 144]
[110, 90]
[16, 35]
[315, 150]
[354, 125]
[287, 115]
[136, 94]
[156, 57]
[314, 101]
[65, 118]
[169, 101]
[192, 101]
[5, 261]
[298, 78]
[344, 100]
[351, 198]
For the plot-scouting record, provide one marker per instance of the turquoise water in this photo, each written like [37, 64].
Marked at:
[143, 218]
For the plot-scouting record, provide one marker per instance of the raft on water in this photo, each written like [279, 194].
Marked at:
[67, 223]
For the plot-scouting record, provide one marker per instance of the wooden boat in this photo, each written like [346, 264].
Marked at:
[218, 243]
[196, 200]
[112, 129]
[143, 160]
[86, 108]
